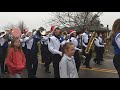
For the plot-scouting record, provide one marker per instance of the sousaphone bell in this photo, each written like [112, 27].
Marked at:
[42, 31]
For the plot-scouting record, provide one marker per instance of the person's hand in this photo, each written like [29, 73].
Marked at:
[83, 56]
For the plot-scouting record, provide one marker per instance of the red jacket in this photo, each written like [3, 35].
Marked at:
[15, 61]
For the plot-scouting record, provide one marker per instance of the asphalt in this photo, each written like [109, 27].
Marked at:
[106, 70]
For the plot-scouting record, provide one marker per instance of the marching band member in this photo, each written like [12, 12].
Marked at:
[54, 48]
[65, 41]
[45, 53]
[102, 49]
[1, 53]
[31, 53]
[79, 39]
[86, 37]
[98, 47]
[23, 36]
[4, 41]
[44, 42]
[24, 47]
[65, 38]
[73, 40]
[116, 44]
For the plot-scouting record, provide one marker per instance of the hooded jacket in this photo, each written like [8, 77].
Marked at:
[15, 61]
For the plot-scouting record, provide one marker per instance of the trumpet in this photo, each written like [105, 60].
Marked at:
[87, 50]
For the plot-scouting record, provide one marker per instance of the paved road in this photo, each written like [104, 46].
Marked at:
[106, 70]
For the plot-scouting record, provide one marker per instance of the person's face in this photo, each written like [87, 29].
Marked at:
[86, 30]
[70, 51]
[74, 34]
[96, 35]
[57, 31]
[100, 35]
[17, 43]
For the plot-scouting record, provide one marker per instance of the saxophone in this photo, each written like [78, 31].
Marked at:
[93, 36]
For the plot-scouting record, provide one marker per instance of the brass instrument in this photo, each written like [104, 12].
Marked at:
[93, 36]
[64, 33]
[43, 32]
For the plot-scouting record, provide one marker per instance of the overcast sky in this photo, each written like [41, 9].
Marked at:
[34, 20]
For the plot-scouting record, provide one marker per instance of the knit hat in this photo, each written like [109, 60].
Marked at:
[71, 31]
[53, 28]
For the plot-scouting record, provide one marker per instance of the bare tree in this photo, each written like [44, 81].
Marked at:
[22, 26]
[71, 19]
[9, 26]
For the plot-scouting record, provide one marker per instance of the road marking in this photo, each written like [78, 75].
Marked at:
[41, 63]
[94, 69]
[99, 70]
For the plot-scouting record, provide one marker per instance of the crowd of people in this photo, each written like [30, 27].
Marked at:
[66, 50]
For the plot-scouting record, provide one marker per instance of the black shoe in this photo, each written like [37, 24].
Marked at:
[89, 67]
[102, 60]
[84, 63]
[47, 71]
[95, 61]
[34, 77]
[99, 63]
[2, 75]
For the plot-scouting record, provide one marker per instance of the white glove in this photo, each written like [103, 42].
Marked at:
[80, 50]
[34, 33]
[60, 54]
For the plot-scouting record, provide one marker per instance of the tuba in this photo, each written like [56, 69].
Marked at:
[93, 36]
[43, 32]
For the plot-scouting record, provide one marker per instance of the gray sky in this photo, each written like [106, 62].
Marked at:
[108, 18]
[34, 20]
